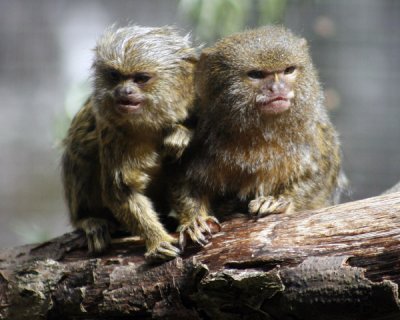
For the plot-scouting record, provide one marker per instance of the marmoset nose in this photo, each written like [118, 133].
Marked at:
[276, 84]
[127, 91]
[124, 91]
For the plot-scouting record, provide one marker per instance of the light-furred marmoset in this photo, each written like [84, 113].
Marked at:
[263, 137]
[115, 146]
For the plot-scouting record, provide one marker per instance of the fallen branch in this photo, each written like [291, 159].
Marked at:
[340, 262]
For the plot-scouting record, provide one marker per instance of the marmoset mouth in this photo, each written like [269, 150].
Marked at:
[275, 104]
[129, 105]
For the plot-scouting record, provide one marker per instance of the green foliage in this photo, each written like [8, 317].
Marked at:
[216, 18]
[271, 11]
[31, 233]
[74, 99]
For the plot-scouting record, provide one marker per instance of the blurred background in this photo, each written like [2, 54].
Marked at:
[45, 57]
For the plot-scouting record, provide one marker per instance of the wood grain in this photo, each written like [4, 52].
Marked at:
[340, 262]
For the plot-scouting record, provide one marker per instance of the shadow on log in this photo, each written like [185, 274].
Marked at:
[340, 262]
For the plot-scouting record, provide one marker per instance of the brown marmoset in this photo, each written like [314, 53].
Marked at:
[263, 137]
[115, 146]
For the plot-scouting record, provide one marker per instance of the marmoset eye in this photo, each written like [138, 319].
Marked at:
[256, 74]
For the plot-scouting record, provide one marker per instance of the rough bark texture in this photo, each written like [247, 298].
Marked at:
[336, 263]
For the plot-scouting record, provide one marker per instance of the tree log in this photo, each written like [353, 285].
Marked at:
[341, 262]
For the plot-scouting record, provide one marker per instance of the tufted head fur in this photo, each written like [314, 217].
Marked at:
[229, 97]
[158, 52]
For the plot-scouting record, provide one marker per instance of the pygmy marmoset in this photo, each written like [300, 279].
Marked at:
[263, 136]
[114, 149]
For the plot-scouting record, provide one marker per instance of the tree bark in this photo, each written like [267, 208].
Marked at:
[340, 262]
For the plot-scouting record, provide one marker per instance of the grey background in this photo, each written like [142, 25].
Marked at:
[45, 57]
